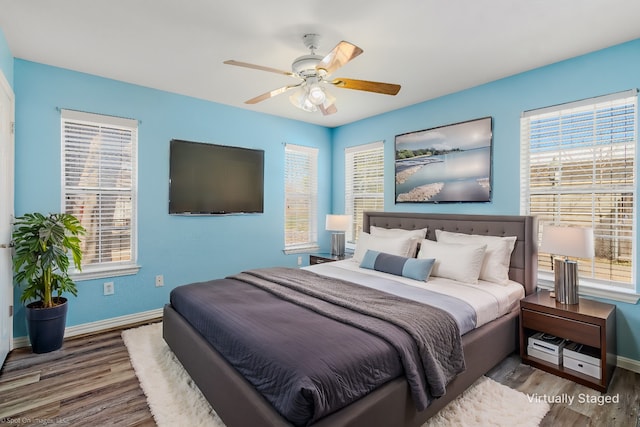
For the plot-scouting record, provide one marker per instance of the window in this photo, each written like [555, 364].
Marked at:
[301, 198]
[578, 168]
[99, 188]
[364, 183]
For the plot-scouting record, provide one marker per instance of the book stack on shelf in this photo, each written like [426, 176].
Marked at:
[546, 347]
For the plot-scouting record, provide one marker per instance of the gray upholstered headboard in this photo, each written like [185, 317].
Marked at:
[524, 258]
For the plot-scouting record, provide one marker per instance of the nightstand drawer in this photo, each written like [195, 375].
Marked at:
[584, 333]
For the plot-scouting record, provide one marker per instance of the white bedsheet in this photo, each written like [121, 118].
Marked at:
[489, 300]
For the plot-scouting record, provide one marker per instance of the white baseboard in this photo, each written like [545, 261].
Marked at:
[101, 325]
[628, 364]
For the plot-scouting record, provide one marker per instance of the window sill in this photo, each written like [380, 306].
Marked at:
[301, 250]
[596, 291]
[99, 273]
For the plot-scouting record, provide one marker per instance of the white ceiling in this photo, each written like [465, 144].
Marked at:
[430, 47]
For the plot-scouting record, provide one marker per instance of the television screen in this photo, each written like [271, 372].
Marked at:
[449, 163]
[210, 179]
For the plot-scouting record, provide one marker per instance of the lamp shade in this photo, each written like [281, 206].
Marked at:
[301, 100]
[316, 94]
[567, 241]
[338, 222]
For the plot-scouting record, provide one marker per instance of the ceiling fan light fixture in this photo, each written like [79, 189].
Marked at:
[316, 94]
[300, 98]
[309, 106]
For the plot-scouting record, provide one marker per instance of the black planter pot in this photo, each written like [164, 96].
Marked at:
[46, 325]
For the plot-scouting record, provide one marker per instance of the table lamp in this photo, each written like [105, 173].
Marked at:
[568, 242]
[338, 224]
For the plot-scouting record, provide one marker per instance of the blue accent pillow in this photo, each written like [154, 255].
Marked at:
[413, 268]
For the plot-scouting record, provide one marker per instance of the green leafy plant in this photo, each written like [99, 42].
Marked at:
[41, 247]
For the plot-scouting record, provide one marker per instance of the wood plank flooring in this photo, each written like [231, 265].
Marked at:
[91, 382]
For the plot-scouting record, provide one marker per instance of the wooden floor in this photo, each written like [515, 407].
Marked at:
[90, 382]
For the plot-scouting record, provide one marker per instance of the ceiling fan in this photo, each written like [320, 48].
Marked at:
[313, 71]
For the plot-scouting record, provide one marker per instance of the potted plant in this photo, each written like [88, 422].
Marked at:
[42, 245]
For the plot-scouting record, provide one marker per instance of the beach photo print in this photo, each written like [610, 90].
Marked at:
[449, 163]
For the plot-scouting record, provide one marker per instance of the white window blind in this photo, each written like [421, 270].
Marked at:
[578, 166]
[99, 186]
[301, 197]
[364, 183]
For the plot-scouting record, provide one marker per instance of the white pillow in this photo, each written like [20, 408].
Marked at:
[495, 267]
[391, 245]
[454, 261]
[416, 235]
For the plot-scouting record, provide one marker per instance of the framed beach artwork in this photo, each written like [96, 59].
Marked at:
[449, 163]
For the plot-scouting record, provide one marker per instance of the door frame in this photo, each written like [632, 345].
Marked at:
[5, 87]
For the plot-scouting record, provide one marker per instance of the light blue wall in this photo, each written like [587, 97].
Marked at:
[183, 249]
[6, 59]
[603, 72]
[188, 249]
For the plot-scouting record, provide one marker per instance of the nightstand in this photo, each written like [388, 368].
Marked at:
[590, 323]
[322, 258]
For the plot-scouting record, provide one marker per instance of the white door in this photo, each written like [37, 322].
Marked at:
[6, 216]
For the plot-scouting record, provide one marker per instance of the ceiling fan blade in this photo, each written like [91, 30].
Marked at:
[330, 109]
[340, 55]
[259, 67]
[270, 94]
[377, 87]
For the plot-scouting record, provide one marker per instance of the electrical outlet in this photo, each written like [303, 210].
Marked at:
[108, 288]
[299, 260]
[159, 280]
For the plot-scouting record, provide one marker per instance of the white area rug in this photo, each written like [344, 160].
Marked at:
[489, 403]
[175, 400]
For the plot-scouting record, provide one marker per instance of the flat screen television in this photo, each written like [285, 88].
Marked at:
[210, 179]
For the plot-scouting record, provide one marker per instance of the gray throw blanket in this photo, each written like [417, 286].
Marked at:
[433, 359]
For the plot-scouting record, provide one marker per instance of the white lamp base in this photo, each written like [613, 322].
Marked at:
[566, 281]
[337, 244]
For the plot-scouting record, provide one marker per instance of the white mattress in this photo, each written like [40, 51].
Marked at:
[489, 300]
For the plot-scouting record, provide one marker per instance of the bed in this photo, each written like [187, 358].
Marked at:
[238, 402]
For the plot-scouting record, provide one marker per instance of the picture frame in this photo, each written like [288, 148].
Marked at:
[445, 164]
